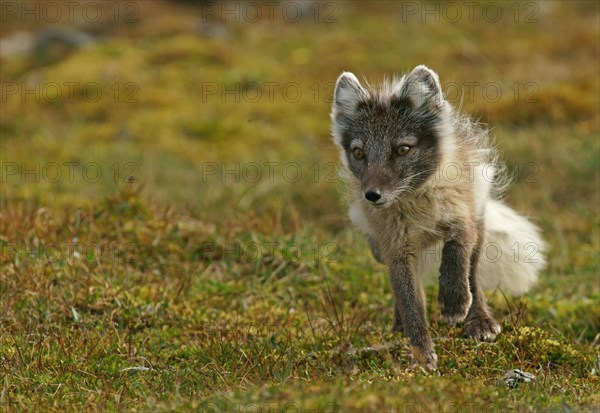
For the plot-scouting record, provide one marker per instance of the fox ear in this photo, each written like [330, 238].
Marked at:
[421, 86]
[348, 92]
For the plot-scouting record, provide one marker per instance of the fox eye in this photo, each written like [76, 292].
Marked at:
[402, 150]
[358, 153]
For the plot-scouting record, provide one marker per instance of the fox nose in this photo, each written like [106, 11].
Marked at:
[373, 195]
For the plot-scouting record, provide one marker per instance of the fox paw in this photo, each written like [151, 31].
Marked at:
[483, 328]
[426, 358]
[455, 304]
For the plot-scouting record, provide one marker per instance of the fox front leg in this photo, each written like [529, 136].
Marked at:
[479, 324]
[454, 294]
[410, 310]
[397, 326]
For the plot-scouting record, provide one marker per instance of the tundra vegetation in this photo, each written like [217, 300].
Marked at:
[174, 235]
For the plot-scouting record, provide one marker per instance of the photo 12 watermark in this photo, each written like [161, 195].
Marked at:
[248, 92]
[322, 92]
[493, 252]
[74, 12]
[331, 172]
[58, 252]
[326, 12]
[69, 172]
[92, 92]
[524, 12]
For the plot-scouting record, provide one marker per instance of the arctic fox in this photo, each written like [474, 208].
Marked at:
[421, 175]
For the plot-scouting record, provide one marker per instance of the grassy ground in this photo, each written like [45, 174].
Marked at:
[146, 266]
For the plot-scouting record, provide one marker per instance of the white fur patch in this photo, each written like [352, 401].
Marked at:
[348, 92]
[482, 184]
[415, 87]
[513, 251]
[358, 217]
[445, 130]
[417, 92]
[356, 143]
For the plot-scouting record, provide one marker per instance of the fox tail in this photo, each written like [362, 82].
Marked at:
[513, 250]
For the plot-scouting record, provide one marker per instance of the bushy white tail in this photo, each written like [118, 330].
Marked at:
[513, 251]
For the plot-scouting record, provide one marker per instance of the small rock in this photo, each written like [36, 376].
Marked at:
[512, 378]
[18, 43]
[136, 368]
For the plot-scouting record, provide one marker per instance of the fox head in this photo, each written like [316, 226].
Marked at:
[391, 140]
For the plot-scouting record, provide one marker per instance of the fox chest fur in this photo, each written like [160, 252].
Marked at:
[415, 222]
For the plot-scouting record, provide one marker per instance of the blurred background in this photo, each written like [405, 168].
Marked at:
[173, 94]
[164, 124]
